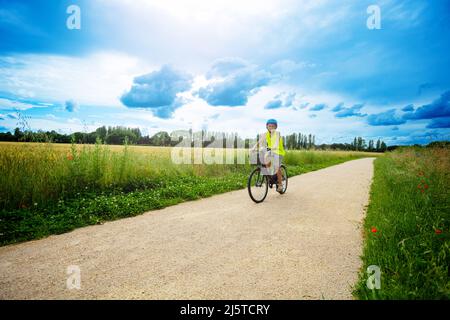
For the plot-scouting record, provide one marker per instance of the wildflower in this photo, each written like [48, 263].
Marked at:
[438, 231]
[422, 186]
[69, 156]
[373, 230]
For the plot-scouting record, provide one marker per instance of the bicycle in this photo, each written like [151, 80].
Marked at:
[260, 181]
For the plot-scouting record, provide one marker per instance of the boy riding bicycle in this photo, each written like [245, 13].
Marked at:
[272, 142]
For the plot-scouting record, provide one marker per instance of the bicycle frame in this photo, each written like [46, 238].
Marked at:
[267, 153]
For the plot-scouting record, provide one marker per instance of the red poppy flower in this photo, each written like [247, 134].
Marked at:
[69, 156]
[374, 230]
[438, 231]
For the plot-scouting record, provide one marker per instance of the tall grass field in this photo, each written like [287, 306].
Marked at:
[407, 225]
[53, 188]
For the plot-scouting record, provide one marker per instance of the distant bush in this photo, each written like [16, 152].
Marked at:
[439, 144]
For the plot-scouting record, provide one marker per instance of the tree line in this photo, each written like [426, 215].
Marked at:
[120, 135]
[298, 141]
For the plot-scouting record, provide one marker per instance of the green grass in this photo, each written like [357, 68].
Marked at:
[51, 189]
[407, 224]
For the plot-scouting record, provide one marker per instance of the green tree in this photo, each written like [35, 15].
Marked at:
[378, 146]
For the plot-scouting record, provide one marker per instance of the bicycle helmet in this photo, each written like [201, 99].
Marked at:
[272, 121]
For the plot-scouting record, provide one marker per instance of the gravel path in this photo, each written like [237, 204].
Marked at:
[304, 244]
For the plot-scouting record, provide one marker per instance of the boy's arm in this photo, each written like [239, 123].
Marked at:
[259, 142]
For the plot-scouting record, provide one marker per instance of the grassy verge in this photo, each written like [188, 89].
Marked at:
[407, 224]
[48, 189]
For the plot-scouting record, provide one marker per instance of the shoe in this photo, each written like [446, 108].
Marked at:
[279, 188]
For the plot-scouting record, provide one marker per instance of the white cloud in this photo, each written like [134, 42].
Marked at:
[74, 120]
[196, 32]
[98, 79]
[10, 104]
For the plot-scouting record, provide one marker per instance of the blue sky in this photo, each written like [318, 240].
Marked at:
[228, 66]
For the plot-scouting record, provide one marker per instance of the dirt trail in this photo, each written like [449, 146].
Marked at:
[304, 244]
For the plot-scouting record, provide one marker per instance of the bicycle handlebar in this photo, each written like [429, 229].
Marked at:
[261, 149]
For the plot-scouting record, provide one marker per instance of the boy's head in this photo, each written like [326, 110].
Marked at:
[271, 124]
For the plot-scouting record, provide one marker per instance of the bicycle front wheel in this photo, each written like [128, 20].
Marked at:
[257, 186]
[284, 176]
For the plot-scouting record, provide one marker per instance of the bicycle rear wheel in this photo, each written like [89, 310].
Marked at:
[257, 186]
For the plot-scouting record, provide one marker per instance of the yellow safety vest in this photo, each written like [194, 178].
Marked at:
[276, 148]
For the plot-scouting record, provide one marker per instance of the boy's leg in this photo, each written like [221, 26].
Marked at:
[280, 181]
[279, 174]
[267, 163]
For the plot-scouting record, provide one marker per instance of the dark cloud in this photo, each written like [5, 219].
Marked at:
[274, 104]
[439, 123]
[281, 100]
[71, 105]
[408, 108]
[425, 137]
[437, 109]
[339, 107]
[318, 107]
[158, 91]
[236, 81]
[350, 112]
[387, 118]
